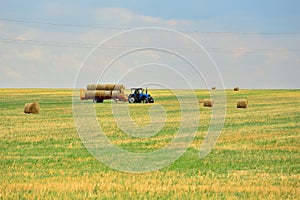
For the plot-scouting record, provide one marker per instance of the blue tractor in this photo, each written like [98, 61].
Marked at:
[137, 95]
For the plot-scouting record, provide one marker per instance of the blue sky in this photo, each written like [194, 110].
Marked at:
[255, 44]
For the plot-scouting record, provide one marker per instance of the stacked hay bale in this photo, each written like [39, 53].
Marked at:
[32, 108]
[103, 91]
[207, 102]
[242, 103]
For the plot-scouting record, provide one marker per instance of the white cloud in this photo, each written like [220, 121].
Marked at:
[122, 17]
[240, 52]
[33, 54]
[11, 73]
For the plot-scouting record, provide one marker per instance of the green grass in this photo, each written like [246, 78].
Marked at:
[256, 157]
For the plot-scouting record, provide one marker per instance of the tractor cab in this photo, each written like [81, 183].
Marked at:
[137, 95]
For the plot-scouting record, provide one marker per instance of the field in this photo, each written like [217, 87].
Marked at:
[256, 157]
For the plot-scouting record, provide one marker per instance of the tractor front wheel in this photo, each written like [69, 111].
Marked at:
[151, 100]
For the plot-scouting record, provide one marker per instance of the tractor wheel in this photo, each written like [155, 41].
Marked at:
[151, 100]
[145, 100]
[131, 99]
[97, 100]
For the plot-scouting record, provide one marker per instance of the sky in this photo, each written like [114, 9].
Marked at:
[160, 44]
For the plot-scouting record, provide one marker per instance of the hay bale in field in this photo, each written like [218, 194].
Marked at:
[242, 103]
[207, 102]
[213, 88]
[32, 108]
[236, 89]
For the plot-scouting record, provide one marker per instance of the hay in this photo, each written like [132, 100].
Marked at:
[104, 94]
[213, 88]
[82, 94]
[103, 91]
[207, 102]
[105, 87]
[96, 87]
[201, 101]
[116, 94]
[32, 108]
[242, 103]
[236, 89]
[119, 87]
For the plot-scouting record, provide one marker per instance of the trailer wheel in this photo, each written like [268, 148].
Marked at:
[98, 100]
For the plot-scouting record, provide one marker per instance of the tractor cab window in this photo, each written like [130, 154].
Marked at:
[136, 91]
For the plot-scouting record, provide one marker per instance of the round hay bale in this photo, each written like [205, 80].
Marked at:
[97, 87]
[107, 94]
[122, 91]
[109, 86]
[201, 101]
[105, 87]
[98, 93]
[242, 103]
[116, 94]
[32, 108]
[207, 102]
[236, 89]
[91, 86]
[119, 87]
[82, 94]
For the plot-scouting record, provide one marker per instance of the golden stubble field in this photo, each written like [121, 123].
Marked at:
[256, 157]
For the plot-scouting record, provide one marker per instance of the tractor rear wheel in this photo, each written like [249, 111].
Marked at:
[131, 99]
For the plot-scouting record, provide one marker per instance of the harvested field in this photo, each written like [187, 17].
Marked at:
[256, 157]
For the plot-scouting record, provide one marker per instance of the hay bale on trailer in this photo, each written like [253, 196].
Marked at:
[32, 108]
[105, 87]
[207, 102]
[236, 89]
[96, 87]
[82, 94]
[100, 92]
[103, 94]
[116, 94]
[242, 103]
